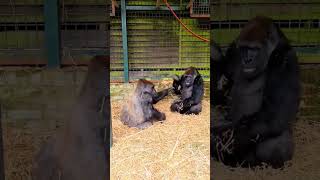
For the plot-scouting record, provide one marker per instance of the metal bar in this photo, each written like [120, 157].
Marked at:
[51, 16]
[2, 174]
[124, 40]
[152, 8]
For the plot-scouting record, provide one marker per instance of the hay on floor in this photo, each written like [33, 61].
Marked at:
[178, 148]
[305, 164]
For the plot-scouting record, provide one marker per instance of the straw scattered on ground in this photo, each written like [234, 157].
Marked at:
[178, 148]
[305, 164]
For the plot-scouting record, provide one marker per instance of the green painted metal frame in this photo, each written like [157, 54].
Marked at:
[2, 175]
[124, 9]
[124, 40]
[52, 32]
[152, 8]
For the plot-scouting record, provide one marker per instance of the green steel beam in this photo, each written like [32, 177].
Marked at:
[2, 175]
[124, 40]
[152, 8]
[52, 36]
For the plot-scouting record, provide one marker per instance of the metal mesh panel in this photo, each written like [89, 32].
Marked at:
[310, 75]
[84, 29]
[299, 20]
[200, 8]
[157, 44]
[21, 31]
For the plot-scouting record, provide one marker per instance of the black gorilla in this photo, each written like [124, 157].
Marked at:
[257, 84]
[190, 88]
[139, 111]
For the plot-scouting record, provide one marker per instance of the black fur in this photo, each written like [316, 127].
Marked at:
[261, 93]
[190, 88]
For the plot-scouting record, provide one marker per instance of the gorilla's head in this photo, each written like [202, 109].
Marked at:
[145, 90]
[256, 42]
[186, 80]
[189, 77]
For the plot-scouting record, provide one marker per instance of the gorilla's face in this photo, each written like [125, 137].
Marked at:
[254, 58]
[188, 80]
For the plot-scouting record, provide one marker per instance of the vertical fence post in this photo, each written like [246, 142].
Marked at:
[2, 173]
[52, 36]
[124, 40]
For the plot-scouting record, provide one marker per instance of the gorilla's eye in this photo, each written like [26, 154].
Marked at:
[248, 54]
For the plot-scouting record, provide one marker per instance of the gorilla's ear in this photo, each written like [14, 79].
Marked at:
[176, 77]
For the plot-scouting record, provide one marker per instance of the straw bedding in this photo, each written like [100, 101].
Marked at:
[178, 148]
[305, 164]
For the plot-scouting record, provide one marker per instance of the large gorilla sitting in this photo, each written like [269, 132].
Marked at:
[256, 92]
[139, 111]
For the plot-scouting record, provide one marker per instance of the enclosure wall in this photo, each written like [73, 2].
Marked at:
[158, 46]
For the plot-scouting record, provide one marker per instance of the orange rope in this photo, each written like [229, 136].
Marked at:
[189, 30]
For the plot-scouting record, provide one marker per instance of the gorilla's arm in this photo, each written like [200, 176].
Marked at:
[157, 115]
[160, 95]
[220, 69]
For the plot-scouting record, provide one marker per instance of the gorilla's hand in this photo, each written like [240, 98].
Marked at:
[180, 106]
[163, 117]
[171, 90]
[187, 103]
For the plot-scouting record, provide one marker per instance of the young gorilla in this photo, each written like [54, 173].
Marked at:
[139, 111]
[190, 88]
[261, 76]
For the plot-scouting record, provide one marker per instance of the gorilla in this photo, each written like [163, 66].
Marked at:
[256, 94]
[80, 150]
[190, 89]
[139, 111]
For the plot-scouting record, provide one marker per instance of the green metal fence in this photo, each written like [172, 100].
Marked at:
[53, 31]
[157, 45]
[300, 21]
[84, 29]
[21, 31]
